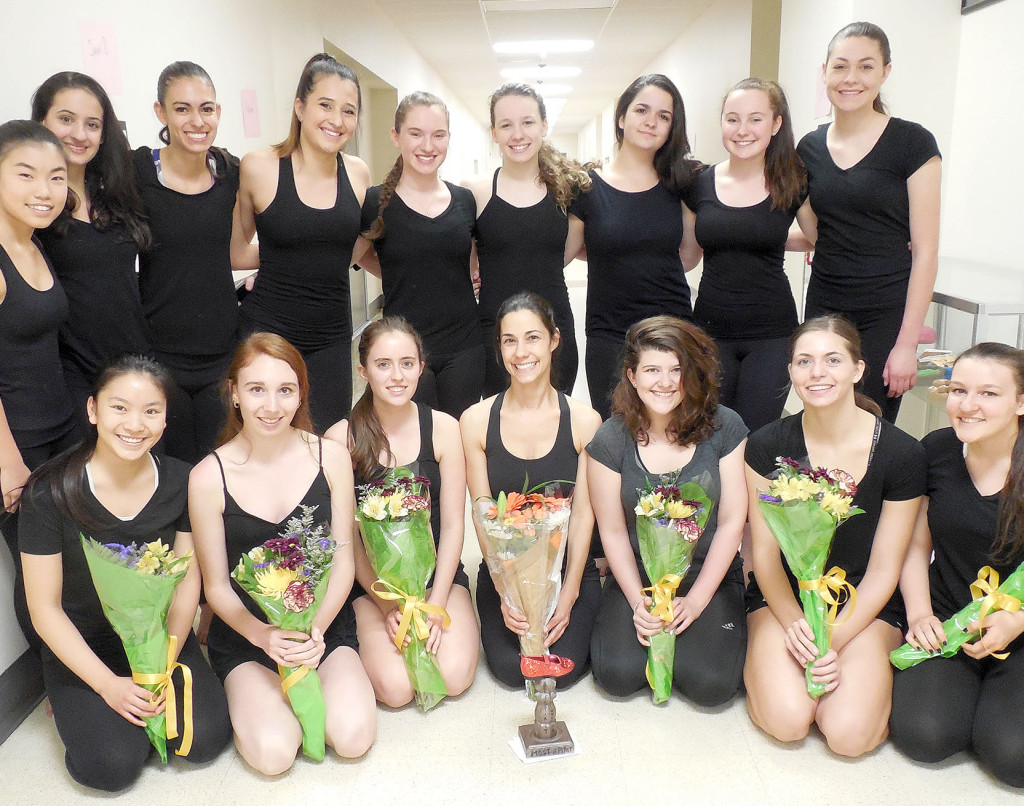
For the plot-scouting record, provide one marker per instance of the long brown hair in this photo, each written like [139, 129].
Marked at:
[1010, 523]
[841, 326]
[562, 176]
[318, 66]
[366, 436]
[387, 189]
[784, 171]
[869, 31]
[248, 351]
[693, 420]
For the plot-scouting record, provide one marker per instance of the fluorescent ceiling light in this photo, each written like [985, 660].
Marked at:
[545, 46]
[534, 73]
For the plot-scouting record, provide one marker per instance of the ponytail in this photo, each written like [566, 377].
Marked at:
[387, 190]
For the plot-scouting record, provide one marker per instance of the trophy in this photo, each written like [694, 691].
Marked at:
[547, 736]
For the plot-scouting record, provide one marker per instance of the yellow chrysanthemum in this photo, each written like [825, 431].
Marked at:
[837, 505]
[396, 506]
[258, 555]
[274, 581]
[794, 489]
[147, 564]
[374, 507]
[679, 509]
[649, 504]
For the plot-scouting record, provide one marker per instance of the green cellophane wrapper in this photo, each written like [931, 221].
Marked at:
[804, 532]
[664, 550]
[955, 627]
[402, 555]
[525, 561]
[136, 605]
[306, 697]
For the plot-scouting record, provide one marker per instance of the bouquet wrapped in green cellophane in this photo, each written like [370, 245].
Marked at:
[394, 520]
[988, 595]
[670, 518]
[802, 508]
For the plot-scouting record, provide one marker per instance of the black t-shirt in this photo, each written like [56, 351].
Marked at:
[896, 472]
[425, 268]
[97, 270]
[188, 292]
[862, 258]
[43, 530]
[962, 522]
[633, 264]
[744, 292]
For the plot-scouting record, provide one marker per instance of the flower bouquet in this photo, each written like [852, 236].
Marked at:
[988, 595]
[136, 586]
[287, 577]
[802, 508]
[670, 520]
[394, 519]
[523, 540]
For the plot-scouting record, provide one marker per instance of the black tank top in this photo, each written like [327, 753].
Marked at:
[425, 465]
[302, 289]
[522, 249]
[507, 473]
[32, 388]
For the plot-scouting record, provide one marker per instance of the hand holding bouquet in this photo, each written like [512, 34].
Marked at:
[670, 520]
[802, 508]
[524, 539]
[988, 595]
[136, 586]
[287, 577]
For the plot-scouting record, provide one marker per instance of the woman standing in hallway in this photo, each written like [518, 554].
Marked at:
[302, 197]
[744, 208]
[36, 421]
[93, 252]
[667, 422]
[531, 434]
[522, 225]
[388, 429]
[874, 187]
[112, 488]
[421, 232]
[839, 428]
[973, 517]
[631, 222]
[188, 191]
[269, 468]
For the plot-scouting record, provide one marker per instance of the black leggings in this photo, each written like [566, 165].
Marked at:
[945, 705]
[105, 751]
[501, 645]
[330, 383]
[878, 331]
[566, 366]
[709, 655]
[195, 408]
[452, 382]
[604, 370]
[754, 379]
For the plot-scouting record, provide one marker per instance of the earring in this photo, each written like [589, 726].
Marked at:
[235, 402]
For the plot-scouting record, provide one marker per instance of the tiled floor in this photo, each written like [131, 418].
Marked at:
[630, 751]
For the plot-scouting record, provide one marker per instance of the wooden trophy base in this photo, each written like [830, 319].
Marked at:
[559, 744]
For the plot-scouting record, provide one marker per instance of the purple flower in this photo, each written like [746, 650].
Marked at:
[769, 499]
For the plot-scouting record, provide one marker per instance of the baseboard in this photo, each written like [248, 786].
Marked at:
[21, 690]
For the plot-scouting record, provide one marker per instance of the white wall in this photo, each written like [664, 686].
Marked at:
[243, 44]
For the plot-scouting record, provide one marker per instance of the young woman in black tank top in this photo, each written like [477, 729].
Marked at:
[386, 429]
[268, 463]
[526, 436]
[35, 412]
[421, 231]
[188, 191]
[521, 224]
[303, 197]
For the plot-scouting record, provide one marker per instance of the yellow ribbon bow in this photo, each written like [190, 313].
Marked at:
[413, 608]
[662, 593]
[162, 681]
[986, 586]
[830, 587]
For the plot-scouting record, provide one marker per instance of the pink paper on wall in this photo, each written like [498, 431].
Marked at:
[822, 105]
[250, 114]
[99, 54]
